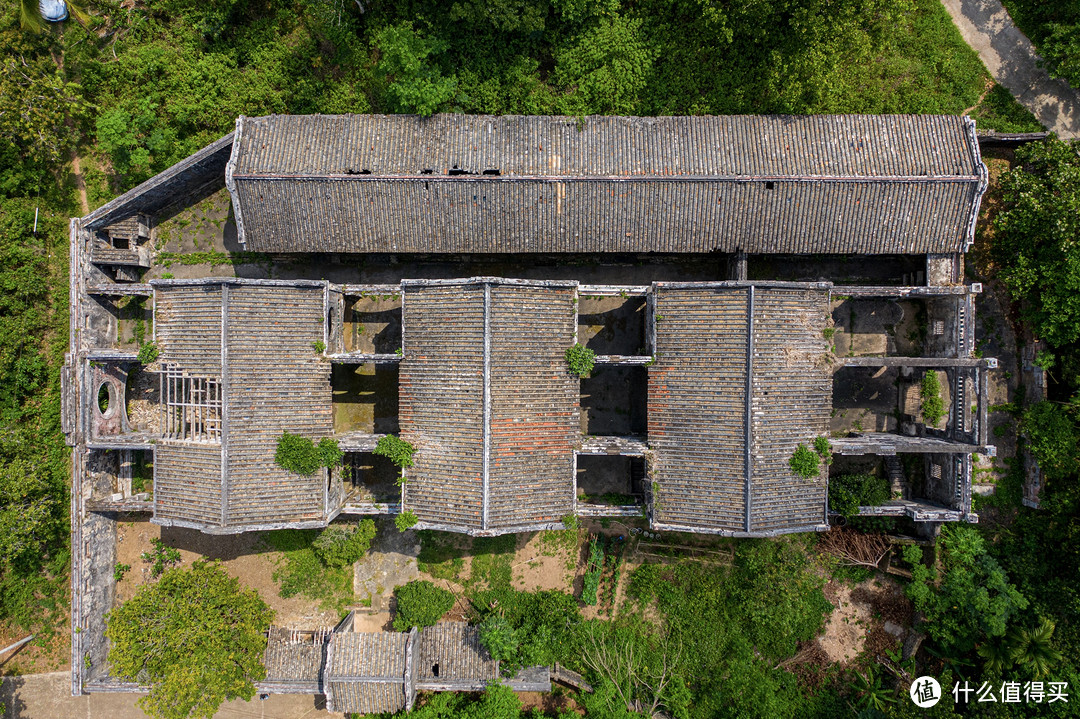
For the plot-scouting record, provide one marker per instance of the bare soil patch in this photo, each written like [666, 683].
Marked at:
[870, 617]
[846, 629]
[243, 556]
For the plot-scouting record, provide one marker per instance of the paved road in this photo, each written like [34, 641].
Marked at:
[48, 696]
[1011, 59]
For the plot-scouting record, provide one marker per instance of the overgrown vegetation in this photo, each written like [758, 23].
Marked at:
[420, 604]
[195, 637]
[405, 520]
[299, 454]
[340, 545]
[593, 569]
[160, 557]
[33, 338]
[848, 492]
[932, 406]
[580, 359]
[301, 571]
[728, 627]
[805, 462]
[396, 450]
[1035, 238]
[972, 601]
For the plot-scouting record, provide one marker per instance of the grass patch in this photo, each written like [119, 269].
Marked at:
[1000, 111]
[492, 563]
[300, 572]
[440, 554]
[212, 258]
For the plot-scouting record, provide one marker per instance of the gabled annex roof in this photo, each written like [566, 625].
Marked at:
[238, 370]
[741, 378]
[865, 184]
[487, 400]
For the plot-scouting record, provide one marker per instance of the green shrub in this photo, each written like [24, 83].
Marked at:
[593, 571]
[119, 570]
[848, 492]
[319, 346]
[396, 450]
[340, 545]
[405, 520]
[499, 638]
[581, 360]
[933, 408]
[148, 353]
[160, 557]
[300, 571]
[420, 604]
[329, 453]
[804, 462]
[300, 455]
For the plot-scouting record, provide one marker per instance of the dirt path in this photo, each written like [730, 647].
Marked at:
[1011, 59]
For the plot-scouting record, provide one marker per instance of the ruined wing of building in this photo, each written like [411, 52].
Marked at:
[424, 277]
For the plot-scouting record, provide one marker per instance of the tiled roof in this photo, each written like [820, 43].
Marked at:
[741, 378]
[487, 399]
[255, 339]
[897, 184]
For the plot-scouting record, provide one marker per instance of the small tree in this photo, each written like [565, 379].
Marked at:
[581, 359]
[195, 637]
[341, 544]
[805, 462]
[499, 638]
[420, 604]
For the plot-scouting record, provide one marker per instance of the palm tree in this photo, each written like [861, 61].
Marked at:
[1032, 648]
[998, 656]
[34, 13]
[873, 695]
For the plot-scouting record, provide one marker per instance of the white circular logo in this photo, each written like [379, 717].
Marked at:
[925, 692]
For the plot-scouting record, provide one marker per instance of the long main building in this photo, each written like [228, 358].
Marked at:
[734, 373]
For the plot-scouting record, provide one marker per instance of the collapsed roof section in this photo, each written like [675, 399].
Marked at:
[486, 398]
[889, 184]
[238, 369]
[742, 377]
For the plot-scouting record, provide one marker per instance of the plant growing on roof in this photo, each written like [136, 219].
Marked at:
[397, 450]
[319, 346]
[299, 454]
[405, 520]
[821, 446]
[148, 353]
[805, 462]
[581, 359]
